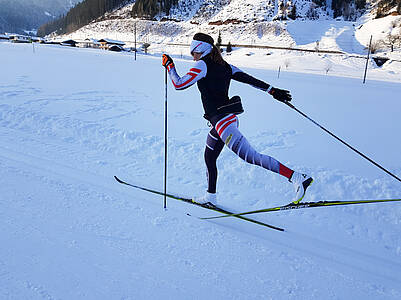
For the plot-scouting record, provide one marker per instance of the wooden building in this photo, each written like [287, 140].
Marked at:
[107, 43]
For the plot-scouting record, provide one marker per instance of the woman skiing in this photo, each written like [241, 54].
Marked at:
[213, 75]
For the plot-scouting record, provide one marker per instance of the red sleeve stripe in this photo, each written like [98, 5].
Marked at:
[196, 70]
[193, 75]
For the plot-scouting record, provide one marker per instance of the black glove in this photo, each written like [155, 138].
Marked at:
[280, 95]
[167, 62]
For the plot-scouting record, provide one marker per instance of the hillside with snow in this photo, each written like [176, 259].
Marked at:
[250, 23]
[349, 39]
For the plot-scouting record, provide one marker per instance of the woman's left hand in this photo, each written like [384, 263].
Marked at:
[280, 95]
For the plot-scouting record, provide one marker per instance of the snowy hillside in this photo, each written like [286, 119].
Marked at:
[201, 11]
[250, 23]
[72, 118]
[349, 38]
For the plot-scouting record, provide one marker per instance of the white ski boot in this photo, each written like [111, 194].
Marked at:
[208, 198]
[301, 183]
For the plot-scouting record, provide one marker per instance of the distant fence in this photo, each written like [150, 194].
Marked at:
[379, 60]
[269, 47]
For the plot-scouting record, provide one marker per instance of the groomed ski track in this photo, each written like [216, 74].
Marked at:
[92, 216]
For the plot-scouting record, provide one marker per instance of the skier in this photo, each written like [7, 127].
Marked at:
[213, 75]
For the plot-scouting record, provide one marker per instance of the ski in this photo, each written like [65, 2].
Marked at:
[190, 201]
[303, 205]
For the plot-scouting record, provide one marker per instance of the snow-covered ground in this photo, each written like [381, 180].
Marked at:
[72, 118]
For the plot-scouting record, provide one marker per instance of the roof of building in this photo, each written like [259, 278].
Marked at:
[110, 41]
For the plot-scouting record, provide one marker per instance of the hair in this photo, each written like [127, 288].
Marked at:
[203, 37]
[215, 55]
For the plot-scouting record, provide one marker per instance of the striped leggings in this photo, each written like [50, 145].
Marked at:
[225, 131]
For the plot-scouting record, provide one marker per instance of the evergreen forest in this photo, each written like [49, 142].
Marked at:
[89, 10]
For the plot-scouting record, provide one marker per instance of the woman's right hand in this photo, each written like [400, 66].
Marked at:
[167, 62]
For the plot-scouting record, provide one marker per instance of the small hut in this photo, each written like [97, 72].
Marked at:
[70, 43]
[107, 43]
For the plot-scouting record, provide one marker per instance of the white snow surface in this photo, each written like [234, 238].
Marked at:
[72, 118]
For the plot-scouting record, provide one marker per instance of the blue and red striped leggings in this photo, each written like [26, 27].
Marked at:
[225, 131]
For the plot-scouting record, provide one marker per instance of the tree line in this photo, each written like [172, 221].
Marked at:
[80, 15]
[349, 8]
[89, 10]
[384, 6]
[150, 8]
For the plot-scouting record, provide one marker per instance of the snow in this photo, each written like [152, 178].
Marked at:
[330, 35]
[72, 118]
[380, 27]
[244, 9]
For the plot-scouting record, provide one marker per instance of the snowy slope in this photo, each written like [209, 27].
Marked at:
[72, 118]
[256, 27]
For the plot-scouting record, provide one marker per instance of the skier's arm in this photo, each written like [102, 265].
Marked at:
[197, 72]
[278, 94]
[243, 77]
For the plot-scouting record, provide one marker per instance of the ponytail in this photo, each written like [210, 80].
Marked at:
[215, 55]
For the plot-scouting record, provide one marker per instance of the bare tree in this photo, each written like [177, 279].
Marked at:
[392, 40]
[375, 46]
[287, 63]
[145, 47]
[328, 66]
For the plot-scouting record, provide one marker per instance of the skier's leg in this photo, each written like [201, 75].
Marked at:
[227, 128]
[213, 148]
[214, 145]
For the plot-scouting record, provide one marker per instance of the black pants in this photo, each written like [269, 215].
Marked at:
[214, 145]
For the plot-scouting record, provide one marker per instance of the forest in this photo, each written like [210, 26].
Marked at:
[80, 15]
[89, 10]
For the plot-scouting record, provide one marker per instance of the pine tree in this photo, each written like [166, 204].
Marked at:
[293, 13]
[360, 4]
[229, 48]
[219, 40]
[150, 8]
